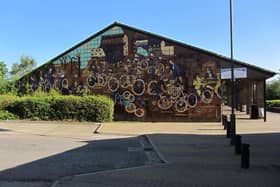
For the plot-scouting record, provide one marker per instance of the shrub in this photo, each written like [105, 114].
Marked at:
[102, 107]
[31, 108]
[5, 115]
[6, 100]
[273, 102]
[88, 108]
[65, 107]
[40, 93]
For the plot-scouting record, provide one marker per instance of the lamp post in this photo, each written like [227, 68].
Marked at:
[232, 116]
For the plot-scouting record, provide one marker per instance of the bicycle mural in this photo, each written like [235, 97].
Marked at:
[145, 75]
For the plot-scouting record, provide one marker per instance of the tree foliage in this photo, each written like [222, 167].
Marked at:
[6, 86]
[273, 90]
[25, 66]
[3, 70]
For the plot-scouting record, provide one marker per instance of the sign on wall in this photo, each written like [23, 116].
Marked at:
[239, 73]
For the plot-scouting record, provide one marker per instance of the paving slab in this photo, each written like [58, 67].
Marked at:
[195, 160]
[244, 125]
[198, 154]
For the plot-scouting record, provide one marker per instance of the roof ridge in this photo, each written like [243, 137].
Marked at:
[116, 23]
[197, 48]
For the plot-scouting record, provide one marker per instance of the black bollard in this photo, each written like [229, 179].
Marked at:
[224, 118]
[228, 128]
[237, 144]
[232, 129]
[245, 154]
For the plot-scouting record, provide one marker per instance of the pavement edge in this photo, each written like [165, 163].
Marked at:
[155, 148]
[161, 157]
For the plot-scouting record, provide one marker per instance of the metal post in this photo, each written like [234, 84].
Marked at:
[224, 118]
[264, 102]
[237, 144]
[232, 116]
[245, 156]
[228, 129]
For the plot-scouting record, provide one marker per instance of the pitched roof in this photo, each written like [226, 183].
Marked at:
[237, 62]
[197, 49]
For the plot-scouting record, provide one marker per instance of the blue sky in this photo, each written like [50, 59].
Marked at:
[44, 28]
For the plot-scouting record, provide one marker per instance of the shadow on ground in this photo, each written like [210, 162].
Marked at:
[4, 130]
[95, 156]
[199, 160]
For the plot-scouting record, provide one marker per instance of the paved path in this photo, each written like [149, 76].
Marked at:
[35, 154]
[198, 154]
[244, 125]
[196, 160]
[25, 141]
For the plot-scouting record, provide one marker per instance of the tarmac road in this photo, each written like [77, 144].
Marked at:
[32, 159]
[198, 154]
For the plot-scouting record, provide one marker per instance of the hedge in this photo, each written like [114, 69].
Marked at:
[6, 100]
[273, 102]
[31, 108]
[273, 105]
[5, 115]
[87, 108]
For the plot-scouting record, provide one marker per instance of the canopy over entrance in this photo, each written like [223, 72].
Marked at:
[249, 87]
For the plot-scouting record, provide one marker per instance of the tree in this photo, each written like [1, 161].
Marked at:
[273, 90]
[3, 70]
[6, 85]
[25, 66]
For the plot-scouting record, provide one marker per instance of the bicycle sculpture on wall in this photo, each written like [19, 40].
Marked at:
[135, 70]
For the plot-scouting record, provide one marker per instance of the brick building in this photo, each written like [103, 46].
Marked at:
[149, 77]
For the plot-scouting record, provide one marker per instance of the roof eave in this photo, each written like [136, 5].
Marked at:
[268, 72]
